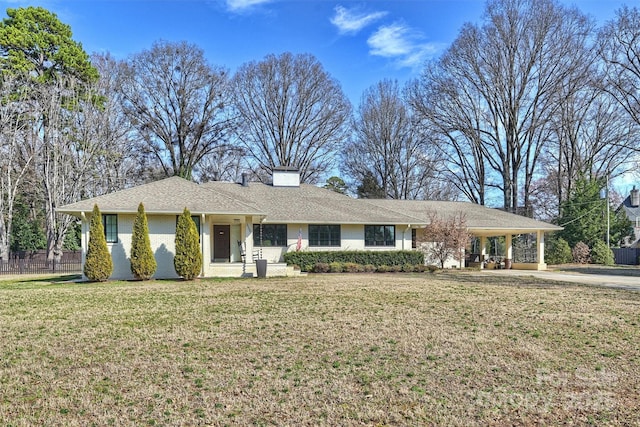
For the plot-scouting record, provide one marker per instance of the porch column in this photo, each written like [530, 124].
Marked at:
[248, 240]
[483, 251]
[540, 249]
[509, 247]
[202, 244]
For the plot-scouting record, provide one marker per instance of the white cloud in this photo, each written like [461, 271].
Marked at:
[239, 5]
[402, 43]
[349, 21]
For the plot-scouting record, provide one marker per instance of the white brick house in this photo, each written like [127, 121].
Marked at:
[239, 222]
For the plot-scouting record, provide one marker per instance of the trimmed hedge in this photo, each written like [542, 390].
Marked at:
[308, 260]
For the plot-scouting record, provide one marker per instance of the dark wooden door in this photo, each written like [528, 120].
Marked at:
[221, 242]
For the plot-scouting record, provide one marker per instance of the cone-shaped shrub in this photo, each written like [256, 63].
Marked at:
[98, 265]
[143, 263]
[188, 259]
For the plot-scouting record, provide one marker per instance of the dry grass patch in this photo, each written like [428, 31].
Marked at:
[319, 350]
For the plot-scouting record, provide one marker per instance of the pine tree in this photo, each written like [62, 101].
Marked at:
[98, 264]
[188, 259]
[143, 263]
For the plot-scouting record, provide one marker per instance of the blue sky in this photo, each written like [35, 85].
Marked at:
[358, 42]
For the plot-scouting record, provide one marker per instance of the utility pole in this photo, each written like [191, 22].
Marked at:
[607, 201]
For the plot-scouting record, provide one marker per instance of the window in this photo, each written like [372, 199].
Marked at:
[196, 220]
[270, 235]
[324, 235]
[110, 224]
[414, 238]
[379, 235]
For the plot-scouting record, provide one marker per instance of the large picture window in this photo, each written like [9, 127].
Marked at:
[324, 235]
[271, 235]
[379, 235]
[110, 225]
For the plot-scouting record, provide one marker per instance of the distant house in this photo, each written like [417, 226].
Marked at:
[241, 222]
[631, 206]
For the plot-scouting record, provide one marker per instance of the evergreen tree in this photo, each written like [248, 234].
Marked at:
[188, 259]
[337, 184]
[98, 264]
[143, 263]
[584, 216]
[27, 234]
[369, 188]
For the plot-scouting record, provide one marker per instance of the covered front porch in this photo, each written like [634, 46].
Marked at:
[228, 249]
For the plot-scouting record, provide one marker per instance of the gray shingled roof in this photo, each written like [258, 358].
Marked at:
[480, 219]
[168, 196]
[306, 204]
[632, 212]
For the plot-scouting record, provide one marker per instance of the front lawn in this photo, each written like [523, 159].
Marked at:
[361, 349]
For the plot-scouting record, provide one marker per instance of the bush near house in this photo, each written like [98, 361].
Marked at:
[307, 261]
[559, 252]
[143, 263]
[581, 253]
[98, 264]
[602, 254]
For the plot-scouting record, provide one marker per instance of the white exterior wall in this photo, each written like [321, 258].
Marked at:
[449, 263]
[162, 230]
[351, 239]
[162, 237]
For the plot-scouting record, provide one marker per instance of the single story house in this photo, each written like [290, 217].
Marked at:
[241, 222]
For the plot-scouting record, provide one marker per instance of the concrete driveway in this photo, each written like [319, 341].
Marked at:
[621, 278]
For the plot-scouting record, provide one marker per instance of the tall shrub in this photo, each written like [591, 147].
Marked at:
[98, 264]
[559, 252]
[602, 254]
[188, 259]
[143, 263]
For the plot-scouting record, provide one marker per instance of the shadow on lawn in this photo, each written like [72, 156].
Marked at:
[50, 279]
[479, 277]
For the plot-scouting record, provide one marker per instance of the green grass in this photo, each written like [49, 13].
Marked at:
[362, 349]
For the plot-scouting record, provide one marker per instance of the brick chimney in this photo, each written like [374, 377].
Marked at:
[634, 197]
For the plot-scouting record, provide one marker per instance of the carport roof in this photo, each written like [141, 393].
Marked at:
[481, 220]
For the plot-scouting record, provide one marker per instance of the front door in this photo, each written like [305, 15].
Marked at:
[221, 242]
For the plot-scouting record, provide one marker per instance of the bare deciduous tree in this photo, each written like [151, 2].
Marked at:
[386, 145]
[450, 115]
[444, 238]
[292, 113]
[116, 163]
[619, 47]
[15, 156]
[506, 77]
[178, 105]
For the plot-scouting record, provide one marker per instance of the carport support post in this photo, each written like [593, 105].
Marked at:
[509, 254]
[540, 245]
[483, 251]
